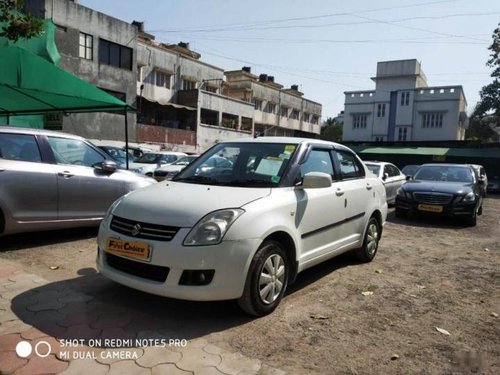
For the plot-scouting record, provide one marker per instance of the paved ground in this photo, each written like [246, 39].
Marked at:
[73, 327]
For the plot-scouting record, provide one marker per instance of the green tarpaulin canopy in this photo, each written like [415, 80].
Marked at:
[30, 84]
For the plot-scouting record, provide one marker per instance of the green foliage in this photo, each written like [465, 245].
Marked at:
[331, 130]
[487, 112]
[18, 25]
[479, 129]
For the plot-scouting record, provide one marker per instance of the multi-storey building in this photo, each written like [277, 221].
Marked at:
[182, 102]
[404, 108]
[98, 49]
[277, 111]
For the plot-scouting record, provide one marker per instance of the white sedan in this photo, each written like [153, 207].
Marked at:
[244, 231]
[390, 175]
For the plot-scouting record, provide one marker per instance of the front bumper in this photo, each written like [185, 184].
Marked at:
[229, 260]
[450, 210]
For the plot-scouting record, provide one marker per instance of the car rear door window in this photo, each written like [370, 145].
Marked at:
[22, 147]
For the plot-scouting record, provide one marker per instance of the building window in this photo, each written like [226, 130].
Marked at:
[379, 139]
[306, 117]
[402, 133]
[115, 54]
[405, 98]
[162, 79]
[381, 110]
[284, 111]
[432, 120]
[359, 121]
[294, 115]
[315, 120]
[188, 85]
[86, 45]
[257, 104]
[270, 108]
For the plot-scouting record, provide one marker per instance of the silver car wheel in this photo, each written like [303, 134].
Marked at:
[272, 278]
[372, 239]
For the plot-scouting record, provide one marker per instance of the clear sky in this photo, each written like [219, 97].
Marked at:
[327, 46]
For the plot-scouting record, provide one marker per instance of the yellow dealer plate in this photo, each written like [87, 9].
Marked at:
[131, 249]
[430, 208]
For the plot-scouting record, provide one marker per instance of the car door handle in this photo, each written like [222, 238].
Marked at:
[65, 174]
[369, 187]
[339, 193]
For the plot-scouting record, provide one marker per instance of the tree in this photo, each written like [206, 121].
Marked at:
[487, 111]
[331, 130]
[18, 25]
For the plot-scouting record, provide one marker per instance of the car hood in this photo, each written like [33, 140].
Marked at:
[438, 186]
[183, 204]
[171, 168]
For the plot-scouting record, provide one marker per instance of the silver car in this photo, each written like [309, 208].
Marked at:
[390, 175]
[51, 180]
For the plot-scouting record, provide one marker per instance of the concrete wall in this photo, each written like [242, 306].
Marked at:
[209, 135]
[71, 19]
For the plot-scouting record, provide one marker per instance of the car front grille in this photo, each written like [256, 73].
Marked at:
[139, 229]
[139, 269]
[433, 198]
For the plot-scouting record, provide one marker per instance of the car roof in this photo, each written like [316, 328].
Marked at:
[287, 140]
[18, 130]
[445, 165]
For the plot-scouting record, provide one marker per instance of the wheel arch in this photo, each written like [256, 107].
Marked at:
[378, 216]
[291, 250]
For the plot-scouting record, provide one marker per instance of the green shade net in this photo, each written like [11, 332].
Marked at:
[43, 45]
[30, 84]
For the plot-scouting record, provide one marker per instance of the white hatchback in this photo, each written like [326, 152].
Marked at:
[244, 231]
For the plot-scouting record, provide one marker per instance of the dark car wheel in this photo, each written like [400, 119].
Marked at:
[266, 281]
[370, 243]
[472, 220]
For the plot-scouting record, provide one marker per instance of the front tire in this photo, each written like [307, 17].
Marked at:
[367, 252]
[267, 280]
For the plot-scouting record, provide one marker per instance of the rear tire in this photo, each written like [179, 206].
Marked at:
[471, 221]
[266, 281]
[367, 252]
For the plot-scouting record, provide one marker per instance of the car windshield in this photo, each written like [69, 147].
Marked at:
[444, 173]
[374, 168]
[240, 164]
[149, 158]
[185, 160]
[410, 170]
[115, 152]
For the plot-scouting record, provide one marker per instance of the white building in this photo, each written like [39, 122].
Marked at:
[404, 108]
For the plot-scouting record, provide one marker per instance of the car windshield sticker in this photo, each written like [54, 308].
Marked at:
[275, 179]
[269, 166]
[284, 156]
[289, 149]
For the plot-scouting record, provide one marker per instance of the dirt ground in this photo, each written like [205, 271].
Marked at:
[429, 274]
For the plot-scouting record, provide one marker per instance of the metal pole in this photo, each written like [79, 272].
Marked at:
[126, 138]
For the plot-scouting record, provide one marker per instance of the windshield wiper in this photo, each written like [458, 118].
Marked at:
[199, 179]
[250, 182]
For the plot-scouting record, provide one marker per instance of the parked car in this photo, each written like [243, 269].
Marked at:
[244, 232]
[494, 184]
[409, 170]
[148, 162]
[481, 175]
[52, 180]
[442, 189]
[167, 172]
[390, 175]
[117, 154]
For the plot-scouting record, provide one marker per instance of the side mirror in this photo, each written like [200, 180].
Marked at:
[385, 176]
[107, 166]
[408, 178]
[316, 180]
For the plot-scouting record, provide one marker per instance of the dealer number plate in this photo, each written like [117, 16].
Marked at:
[430, 208]
[130, 249]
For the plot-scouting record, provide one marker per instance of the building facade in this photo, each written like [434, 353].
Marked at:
[404, 108]
[183, 103]
[98, 49]
[278, 111]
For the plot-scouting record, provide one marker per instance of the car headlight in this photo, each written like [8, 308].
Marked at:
[211, 229]
[470, 197]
